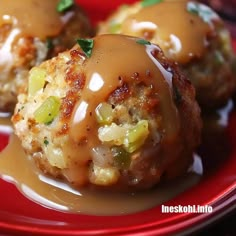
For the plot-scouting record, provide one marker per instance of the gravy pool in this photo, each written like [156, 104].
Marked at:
[15, 167]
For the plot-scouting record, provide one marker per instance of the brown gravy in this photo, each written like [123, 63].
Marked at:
[102, 79]
[60, 196]
[42, 19]
[183, 34]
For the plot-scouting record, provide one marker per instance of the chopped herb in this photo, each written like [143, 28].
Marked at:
[46, 142]
[192, 8]
[63, 5]
[143, 42]
[201, 10]
[146, 3]
[86, 45]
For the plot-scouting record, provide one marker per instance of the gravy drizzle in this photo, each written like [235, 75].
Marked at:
[182, 38]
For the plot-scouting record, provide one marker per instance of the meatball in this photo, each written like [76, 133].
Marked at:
[30, 32]
[189, 33]
[111, 113]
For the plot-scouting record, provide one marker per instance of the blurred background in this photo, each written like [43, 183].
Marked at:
[227, 10]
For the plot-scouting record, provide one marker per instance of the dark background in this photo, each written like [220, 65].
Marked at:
[222, 227]
[227, 225]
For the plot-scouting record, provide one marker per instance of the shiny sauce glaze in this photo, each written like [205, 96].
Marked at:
[60, 196]
[104, 75]
[37, 18]
[182, 34]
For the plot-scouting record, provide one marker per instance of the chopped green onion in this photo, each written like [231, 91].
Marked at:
[48, 110]
[192, 8]
[200, 10]
[63, 5]
[146, 3]
[86, 45]
[143, 42]
[104, 113]
[136, 136]
[36, 80]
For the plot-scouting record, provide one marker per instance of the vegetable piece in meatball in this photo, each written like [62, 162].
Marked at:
[191, 34]
[112, 112]
[30, 32]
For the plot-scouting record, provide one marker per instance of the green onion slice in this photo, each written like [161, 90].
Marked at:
[64, 5]
[143, 42]
[146, 3]
[86, 45]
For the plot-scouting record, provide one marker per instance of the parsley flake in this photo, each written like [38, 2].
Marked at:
[63, 5]
[143, 42]
[46, 142]
[86, 45]
[147, 3]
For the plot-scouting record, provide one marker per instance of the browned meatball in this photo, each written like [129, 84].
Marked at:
[116, 114]
[30, 32]
[191, 34]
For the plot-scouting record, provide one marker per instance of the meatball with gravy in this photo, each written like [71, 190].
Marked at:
[112, 112]
[30, 32]
[189, 33]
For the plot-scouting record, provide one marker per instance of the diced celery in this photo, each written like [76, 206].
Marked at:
[36, 80]
[104, 113]
[121, 157]
[48, 110]
[136, 136]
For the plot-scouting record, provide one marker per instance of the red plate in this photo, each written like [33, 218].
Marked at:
[218, 189]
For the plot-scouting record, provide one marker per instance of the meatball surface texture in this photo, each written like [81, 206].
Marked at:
[112, 113]
[30, 32]
[189, 33]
